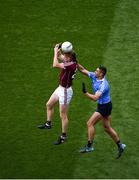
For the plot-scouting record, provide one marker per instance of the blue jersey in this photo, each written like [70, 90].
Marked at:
[101, 86]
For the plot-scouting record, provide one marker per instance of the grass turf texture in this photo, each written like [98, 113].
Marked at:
[103, 32]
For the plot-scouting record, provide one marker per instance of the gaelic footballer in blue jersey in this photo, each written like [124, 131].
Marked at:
[101, 94]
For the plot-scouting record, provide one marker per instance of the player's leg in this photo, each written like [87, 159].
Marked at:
[50, 106]
[107, 126]
[91, 125]
[64, 117]
[63, 108]
[91, 131]
[50, 111]
[64, 101]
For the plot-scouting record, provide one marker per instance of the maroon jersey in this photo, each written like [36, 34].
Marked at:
[67, 74]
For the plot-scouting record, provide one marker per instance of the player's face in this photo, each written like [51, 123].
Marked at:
[67, 57]
[98, 73]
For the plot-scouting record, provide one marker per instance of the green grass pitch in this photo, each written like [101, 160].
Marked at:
[102, 32]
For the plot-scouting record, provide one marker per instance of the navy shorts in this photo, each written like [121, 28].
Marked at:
[104, 109]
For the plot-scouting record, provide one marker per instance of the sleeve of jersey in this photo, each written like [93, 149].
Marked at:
[91, 75]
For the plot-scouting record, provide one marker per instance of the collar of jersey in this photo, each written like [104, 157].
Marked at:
[68, 63]
[99, 80]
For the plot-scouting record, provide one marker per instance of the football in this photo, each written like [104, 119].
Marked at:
[66, 47]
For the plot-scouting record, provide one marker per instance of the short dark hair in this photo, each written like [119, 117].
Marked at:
[103, 69]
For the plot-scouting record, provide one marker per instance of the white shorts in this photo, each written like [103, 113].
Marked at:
[64, 94]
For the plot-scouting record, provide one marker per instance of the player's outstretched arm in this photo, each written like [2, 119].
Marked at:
[82, 69]
[56, 63]
[93, 97]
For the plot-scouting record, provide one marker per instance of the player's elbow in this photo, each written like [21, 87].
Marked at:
[54, 65]
[95, 98]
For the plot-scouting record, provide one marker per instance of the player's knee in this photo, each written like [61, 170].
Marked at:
[88, 124]
[63, 115]
[48, 105]
[107, 129]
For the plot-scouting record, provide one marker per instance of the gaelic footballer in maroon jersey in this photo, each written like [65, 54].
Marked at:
[68, 65]
[67, 74]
